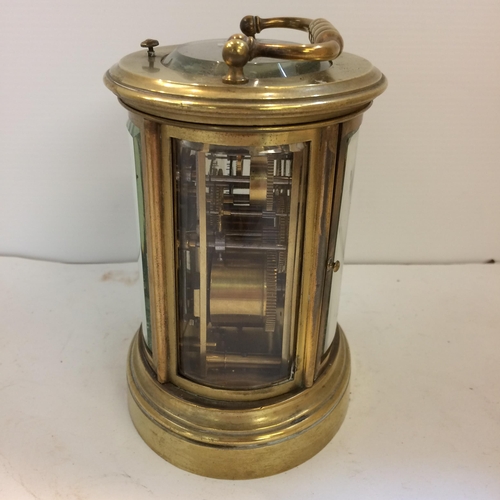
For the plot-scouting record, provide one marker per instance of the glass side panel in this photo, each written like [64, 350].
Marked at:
[237, 221]
[333, 308]
[135, 132]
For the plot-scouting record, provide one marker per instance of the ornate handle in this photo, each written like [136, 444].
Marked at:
[326, 43]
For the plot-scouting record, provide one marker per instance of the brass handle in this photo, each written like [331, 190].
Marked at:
[326, 43]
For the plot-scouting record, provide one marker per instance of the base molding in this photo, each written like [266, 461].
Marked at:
[236, 439]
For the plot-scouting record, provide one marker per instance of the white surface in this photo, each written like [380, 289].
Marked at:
[427, 175]
[423, 421]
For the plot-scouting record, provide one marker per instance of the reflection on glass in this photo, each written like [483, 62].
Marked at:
[204, 59]
[143, 267]
[237, 218]
[333, 308]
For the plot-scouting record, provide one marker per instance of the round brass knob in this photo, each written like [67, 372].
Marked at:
[150, 44]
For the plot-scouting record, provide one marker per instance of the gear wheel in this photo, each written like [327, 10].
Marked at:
[269, 236]
[282, 222]
[270, 184]
[271, 289]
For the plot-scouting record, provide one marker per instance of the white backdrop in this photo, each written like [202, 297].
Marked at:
[427, 177]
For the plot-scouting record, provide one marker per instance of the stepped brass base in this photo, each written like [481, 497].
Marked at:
[238, 440]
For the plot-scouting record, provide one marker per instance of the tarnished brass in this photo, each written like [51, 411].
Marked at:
[259, 181]
[150, 44]
[238, 440]
[347, 129]
[242, 194]
[326, 44]
[325, 144]
[238, 291]
[346, 88]
[153, 174]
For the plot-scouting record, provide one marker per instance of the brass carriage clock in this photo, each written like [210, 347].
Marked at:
[244, 155]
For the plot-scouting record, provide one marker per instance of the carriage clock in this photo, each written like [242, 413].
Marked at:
[244, 152]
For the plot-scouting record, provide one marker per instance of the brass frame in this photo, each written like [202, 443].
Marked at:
[247, 138]
[242, 440]
[154, 206]
[320, 188]
[238, 434]
[227, 433]
[299, 181]
[160, 233]
[144, 83]
[346, 130]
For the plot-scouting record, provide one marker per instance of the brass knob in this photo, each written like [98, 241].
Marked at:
[333, 265]
[326, 43]
[150, 44]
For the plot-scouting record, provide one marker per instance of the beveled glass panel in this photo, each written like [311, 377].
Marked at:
[204, 58]
[135, 132]
[333, 307]
[236, 232]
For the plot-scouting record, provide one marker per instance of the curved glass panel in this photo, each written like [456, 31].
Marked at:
[135, 132]
[237, 220]
[333, 307]
[204, 58]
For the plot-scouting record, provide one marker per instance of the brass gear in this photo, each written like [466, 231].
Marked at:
[271, 290]
[270, 184]
[269, 235]
[282, 223]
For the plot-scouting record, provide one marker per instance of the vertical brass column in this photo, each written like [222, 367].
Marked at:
[154, 229]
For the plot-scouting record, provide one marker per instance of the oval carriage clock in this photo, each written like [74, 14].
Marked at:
[244, 155]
